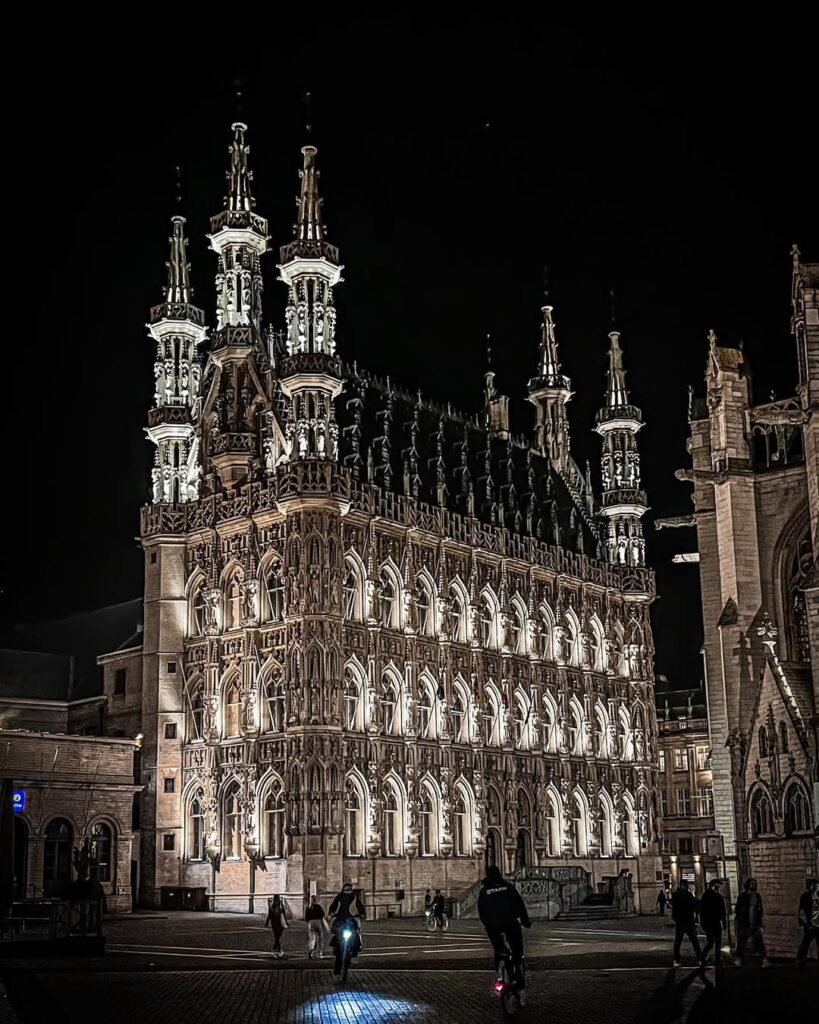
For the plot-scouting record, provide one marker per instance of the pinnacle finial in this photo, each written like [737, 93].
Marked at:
[178, 289]
[489, 375]
[309, 226]
[616, 392]
[549, 362]
[239, 177]
[712, 338]
[795, 254]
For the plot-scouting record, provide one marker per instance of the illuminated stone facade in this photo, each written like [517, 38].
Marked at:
[383, 641]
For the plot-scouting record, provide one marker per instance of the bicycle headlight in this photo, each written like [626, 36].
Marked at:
[347, 934]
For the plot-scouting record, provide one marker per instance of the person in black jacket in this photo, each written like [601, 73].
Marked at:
[346, 908]
[713, 918]
[683, 914]
[502, 912]
[808, 917]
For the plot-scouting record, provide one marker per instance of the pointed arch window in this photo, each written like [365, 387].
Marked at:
[462, 833]
[393, 821]
[196, 711]
[428, 813]
[232, 832]
[274, 593]
[598, 646]
[762, 818]
[551, 827]
[762, 741]
[233, 601]
[797, 810]
[491, 721]
[488, 621]
[520, 722]
[784, 746]
[353, 702]
[275, 704]
[354, 820]
[571, 651]
[575, 730]
[579, 827]
[458, 612]
[797, 576]
[427, 718]
[544, 636]
[600, 732]
[233, 705]
[549, 728]
[626, 737]
[519, 637]
[199, 610]
[391, 709]
[426, 608]
[274, 822]
[196, 826]
[389, 601]
[353, 589]
[460, 718]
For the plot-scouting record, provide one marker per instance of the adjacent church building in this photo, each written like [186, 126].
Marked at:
[384, 641]
[755, 471]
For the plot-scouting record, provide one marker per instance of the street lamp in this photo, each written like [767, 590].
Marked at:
[255, 860]
[213, 851]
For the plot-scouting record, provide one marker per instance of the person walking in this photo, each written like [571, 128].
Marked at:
[316, 929]
[808, 918]
[438, 906]
[750, 922]
[713, 918]
[683, 914]
[278, 915]
[662, 899]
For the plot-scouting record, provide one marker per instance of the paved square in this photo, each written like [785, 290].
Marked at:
[207, 968]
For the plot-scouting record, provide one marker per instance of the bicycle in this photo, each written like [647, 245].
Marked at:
[433, 922]
[346, 938]
[510, 989]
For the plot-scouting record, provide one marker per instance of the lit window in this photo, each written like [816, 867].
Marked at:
[661, 759]
[681, 759]
[233, 704]
[274, 822]
[683, 801]
[232, 839]
[196, 827]
[274, 593]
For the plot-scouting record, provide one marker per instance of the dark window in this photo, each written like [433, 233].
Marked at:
[685, 844]
[101, 850]
[136, 814]
[170, 730]
[153, 558]
[169, 841]
[172, 668]
[170, 785]
[120, 675]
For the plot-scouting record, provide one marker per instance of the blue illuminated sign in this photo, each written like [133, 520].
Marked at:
[18, 799]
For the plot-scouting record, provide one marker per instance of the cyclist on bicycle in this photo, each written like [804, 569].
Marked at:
[438, 906]
[345, 909]
[502, 912]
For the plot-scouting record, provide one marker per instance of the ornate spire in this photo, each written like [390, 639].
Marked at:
[239, 176]
[178, 289]
[309, 226]
[549, 392]
[549, 365]
[616, 393]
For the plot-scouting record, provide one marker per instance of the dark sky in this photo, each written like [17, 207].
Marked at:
[456, 163]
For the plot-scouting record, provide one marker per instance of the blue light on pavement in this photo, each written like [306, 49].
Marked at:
[349, 1005]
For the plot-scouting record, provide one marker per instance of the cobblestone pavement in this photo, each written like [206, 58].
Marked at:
[217, 967]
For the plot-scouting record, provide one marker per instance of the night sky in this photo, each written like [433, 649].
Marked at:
[455, 165]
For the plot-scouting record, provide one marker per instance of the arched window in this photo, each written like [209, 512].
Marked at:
[274, 822]
[797, 810]
[274, 697]
[491, 720]
[606, 826]
[462, 834]
[520, 722]
[233, 705]
[761, 814]
[59, 840]
[353, 589]
[353, 702]
[232, 833]
[571, 642]
[354, 814]
[784, 746]
[601, 728]
[579, 826]
[393, 820]
[274, 593]
[391, 708]
[797, 574]
[427, 716]
[552, 827]
[544, 634]
[196, 710]
[389, 600]
[519, 638]
[630, 837]
[457, 604]
[196, 826]
[626, 737]
[549, 725]
[429, 822]
[102, 850]
[620, 665]
[762, 740]
[495, 816]
[598, 645]
[575, 730]
[199, 610]
[426, 607]
[488, 621]
[460, 715]
[232, 616]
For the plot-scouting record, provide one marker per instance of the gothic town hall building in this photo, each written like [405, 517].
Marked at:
[383, 641]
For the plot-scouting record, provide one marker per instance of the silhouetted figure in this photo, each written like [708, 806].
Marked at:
[662, 899]
[750, 921]
[683, 913]
[713, 918]
[809, 920]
